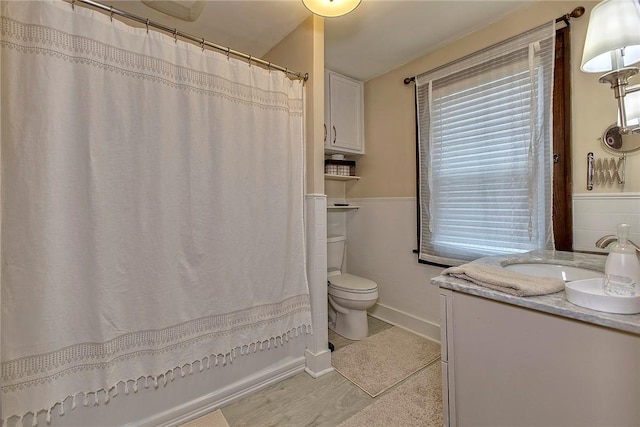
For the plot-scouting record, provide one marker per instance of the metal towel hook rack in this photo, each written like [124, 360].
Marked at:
[605, 171]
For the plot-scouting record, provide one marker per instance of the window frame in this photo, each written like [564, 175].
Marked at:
[561, 151]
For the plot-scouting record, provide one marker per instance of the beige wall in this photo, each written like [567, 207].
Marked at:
[303, 50]
[388, 167]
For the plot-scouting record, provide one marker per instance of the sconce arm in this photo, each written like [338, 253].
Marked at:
[619, 80]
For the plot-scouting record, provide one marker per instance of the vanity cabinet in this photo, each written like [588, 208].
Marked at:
[507, 365]
[343, 114]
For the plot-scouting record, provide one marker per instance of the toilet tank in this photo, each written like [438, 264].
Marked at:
[335, 252]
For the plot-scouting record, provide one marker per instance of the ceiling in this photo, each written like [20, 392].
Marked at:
[379, 36]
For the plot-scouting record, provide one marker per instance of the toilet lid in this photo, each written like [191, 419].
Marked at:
[350, 282]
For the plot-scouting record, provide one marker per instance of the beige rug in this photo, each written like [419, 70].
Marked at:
[417, 403]
[383, 360]
[213, 419]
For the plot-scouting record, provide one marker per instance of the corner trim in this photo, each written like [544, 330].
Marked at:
[318, 364]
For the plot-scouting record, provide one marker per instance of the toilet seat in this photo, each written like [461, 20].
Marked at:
[349, 282]
[352, 287]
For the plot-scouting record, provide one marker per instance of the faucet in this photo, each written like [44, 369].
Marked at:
[605, 241]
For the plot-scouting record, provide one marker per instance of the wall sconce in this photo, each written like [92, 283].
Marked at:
[612, 46]
[330, 8]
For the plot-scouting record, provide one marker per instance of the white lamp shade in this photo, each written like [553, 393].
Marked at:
[613, 24]
[632, 107]
[331, 8]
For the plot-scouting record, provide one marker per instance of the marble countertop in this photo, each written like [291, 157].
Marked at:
[552, 303]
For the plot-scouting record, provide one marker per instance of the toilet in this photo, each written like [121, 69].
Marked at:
[349, 296]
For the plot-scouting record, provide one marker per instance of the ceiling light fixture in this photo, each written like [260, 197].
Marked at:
[331, 8]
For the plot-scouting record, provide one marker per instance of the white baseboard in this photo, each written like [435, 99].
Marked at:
[406, 321]
[318, 364]
[219, 398]
[318, 374]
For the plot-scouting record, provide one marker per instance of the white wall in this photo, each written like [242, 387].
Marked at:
[381, 237]
[597, 214]
[382, 234]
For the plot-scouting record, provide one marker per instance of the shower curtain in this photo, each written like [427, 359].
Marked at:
[152, 217]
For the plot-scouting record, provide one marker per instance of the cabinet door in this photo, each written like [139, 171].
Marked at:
[344, 127]
[519, 367]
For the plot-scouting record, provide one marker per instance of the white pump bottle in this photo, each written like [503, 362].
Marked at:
[622, 268]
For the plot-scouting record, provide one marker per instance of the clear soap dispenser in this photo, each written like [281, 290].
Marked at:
[622, 269]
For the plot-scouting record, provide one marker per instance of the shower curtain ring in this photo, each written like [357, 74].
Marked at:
[111, 14]
[228, 52]
[147, 25]
[175, 35]
[269, 66]
[73, 4]
[202, 44]
[249, 60]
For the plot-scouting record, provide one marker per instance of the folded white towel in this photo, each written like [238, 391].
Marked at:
[507, 281]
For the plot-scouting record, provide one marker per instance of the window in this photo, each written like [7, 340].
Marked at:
[485, 151]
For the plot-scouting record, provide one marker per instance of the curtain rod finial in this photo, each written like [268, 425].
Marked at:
[577, 12]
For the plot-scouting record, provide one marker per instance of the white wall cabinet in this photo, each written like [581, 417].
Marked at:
[505, 365]
[343, 114]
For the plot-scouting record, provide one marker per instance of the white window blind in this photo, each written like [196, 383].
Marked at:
[485, 151]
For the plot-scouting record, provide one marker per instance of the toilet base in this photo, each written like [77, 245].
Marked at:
[353, 325]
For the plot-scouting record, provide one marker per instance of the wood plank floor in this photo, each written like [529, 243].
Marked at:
[302, 400]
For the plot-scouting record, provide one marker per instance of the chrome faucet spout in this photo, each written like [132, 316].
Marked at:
[605, 241]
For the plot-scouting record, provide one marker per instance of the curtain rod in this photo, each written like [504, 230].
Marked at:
[201, 41]
[575, 13]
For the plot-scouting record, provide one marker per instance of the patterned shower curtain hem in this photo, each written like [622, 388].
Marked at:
[55, 369]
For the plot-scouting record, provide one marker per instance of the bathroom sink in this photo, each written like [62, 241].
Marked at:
[589, 293]
[564, 272]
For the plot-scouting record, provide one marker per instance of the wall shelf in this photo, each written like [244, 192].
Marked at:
[341, 177]
[342, 208]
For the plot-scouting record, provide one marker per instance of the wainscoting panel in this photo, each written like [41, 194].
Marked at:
[317, 354]
[595, 215]
[382, 234]
[381, 237]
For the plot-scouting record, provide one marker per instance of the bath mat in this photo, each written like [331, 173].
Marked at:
[212, 419]
[417, 402]
[383, 360]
